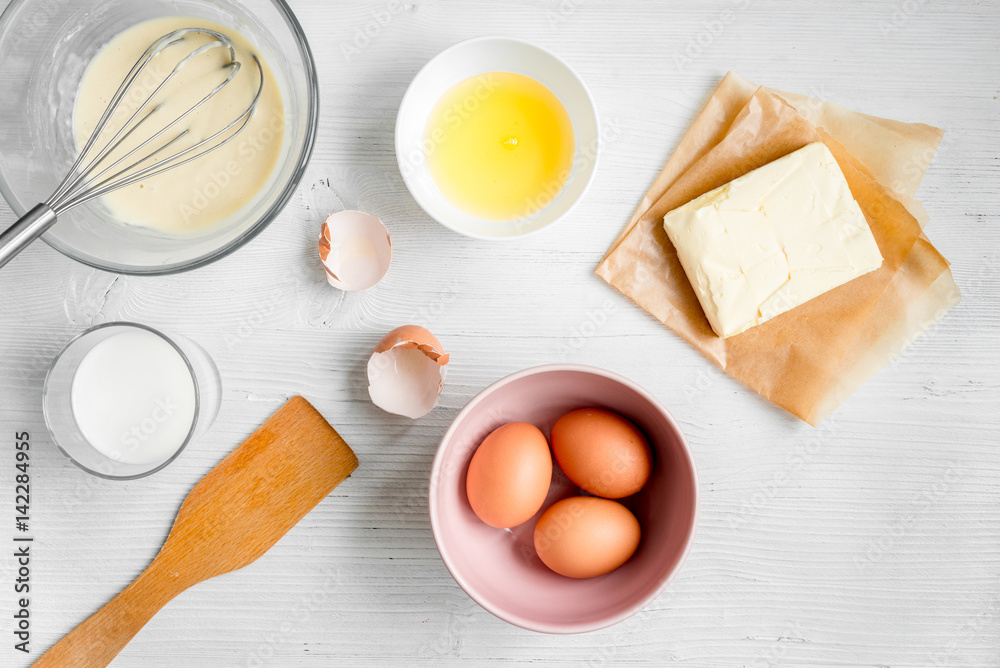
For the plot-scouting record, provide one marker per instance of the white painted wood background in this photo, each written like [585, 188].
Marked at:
[882, 545]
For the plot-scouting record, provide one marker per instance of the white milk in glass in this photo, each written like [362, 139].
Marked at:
[133, 398]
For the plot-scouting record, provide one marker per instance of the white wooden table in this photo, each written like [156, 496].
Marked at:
[880, 547]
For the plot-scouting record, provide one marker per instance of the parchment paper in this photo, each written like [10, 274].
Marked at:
[810, 359]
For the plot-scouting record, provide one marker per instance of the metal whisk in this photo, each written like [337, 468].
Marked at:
[91, 178]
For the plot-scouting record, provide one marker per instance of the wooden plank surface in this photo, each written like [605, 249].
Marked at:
[881, 545]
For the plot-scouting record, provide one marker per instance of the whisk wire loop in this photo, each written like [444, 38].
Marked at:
[67, 196]
[88, 176]
[72, 176]
[111, 184]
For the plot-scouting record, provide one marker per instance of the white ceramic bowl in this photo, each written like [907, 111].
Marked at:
[468, 59]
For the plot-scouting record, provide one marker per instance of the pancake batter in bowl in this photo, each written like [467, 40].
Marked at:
[212, 188]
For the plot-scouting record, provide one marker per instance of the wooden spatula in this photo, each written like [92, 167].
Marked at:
[230, 518]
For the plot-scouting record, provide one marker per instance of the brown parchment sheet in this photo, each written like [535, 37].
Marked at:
[810, 359]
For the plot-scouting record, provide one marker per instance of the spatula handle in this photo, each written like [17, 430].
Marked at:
[98, 640]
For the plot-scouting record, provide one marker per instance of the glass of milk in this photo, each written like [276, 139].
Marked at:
[122, 400]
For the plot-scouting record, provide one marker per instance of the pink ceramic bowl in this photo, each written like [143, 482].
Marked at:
[499, 568]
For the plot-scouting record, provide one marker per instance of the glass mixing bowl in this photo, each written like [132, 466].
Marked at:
[45, 46]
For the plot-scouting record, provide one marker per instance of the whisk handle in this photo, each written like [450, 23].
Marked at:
[28, 228]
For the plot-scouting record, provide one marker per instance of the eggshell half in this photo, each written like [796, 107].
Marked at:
[406, 372]
[355, 249]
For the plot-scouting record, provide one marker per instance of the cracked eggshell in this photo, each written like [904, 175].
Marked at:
[355, 249]
[406, 372]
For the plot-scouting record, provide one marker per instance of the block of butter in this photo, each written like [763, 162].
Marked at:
[772, 239]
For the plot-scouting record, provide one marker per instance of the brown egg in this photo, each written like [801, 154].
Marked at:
[602, 452]
[509, 475]
[585, 536]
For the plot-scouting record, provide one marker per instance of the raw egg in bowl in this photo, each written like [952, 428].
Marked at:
[497, 138]
[500, 568]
